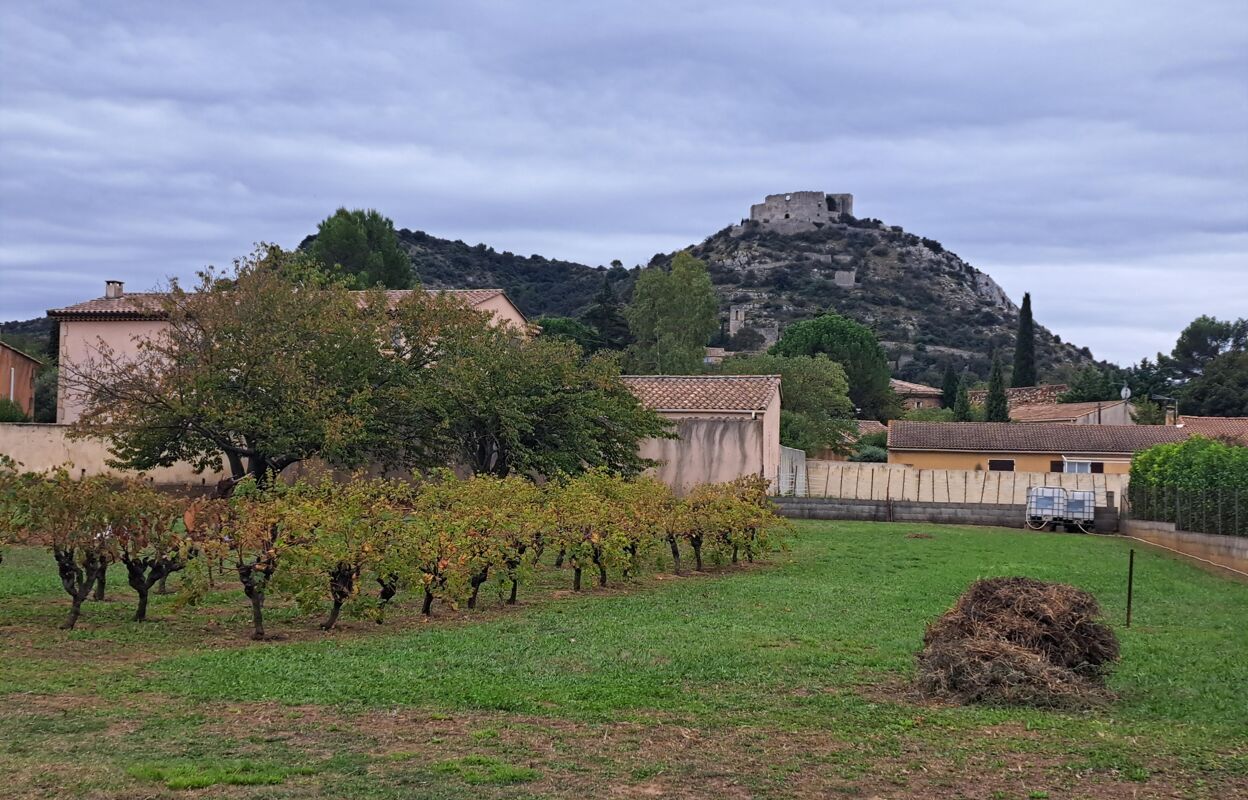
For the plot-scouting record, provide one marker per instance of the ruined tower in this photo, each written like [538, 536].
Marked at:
[795, 212]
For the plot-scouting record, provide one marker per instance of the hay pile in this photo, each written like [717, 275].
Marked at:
[1019, 641]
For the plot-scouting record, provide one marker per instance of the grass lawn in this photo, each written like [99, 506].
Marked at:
[787, 678]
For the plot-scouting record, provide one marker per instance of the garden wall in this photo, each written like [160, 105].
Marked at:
[1006, 515]
[709, 450]
[1225, 551]
[39, 447]
[853, 481]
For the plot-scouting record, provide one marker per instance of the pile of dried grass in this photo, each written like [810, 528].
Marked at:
[1019, 641]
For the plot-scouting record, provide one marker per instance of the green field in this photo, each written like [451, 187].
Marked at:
[788, 678]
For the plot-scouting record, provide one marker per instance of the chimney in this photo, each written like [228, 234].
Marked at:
[112, 288]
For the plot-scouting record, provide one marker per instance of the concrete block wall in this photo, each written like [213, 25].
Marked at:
[1005, 515]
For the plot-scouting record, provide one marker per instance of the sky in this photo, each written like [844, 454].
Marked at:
[1094, 154]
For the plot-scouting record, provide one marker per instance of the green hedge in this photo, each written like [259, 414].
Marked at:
[1200, 485]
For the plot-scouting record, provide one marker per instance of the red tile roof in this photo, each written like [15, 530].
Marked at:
[1059, 412]
[1235, 428]
[866, 426]
[147, 305]
[729, 393]
[908, 389]
[1040, 437]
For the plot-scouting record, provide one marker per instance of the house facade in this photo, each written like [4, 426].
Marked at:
[916, 395]
[17, 378]
[1010, 447]
[1116, 412]
[121, 320]
[727, 426]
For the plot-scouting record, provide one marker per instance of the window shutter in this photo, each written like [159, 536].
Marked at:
[1057, 466]
[1098, 466]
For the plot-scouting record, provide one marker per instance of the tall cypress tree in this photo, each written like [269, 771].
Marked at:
[962, 406]
[996, 405]
[1024, 373]
[949, 389]
[606, 316]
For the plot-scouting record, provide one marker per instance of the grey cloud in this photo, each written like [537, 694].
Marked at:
[1102, 145]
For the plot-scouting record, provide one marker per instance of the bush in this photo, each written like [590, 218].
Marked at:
[1019, 641]
[869, 453]
[1199, 484]
[12, 412]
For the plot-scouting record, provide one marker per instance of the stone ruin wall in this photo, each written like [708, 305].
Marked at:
[794, 212]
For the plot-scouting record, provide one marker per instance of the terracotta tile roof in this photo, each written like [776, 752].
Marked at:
[1058, 412]
[147, 305]
[1023, 395]
[908, 389]
[1040, 437]
[729, 393]
[1217, 427]
[866, 426]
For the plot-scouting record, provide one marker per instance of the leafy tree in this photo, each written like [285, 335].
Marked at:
[855, 347]
[150, 538]
[871, 454]
[932, 414]
[267, 372]
[962, 411]
[571, 330]
[11, 411]
[746, 339]
[362, 246]
[949, 387]
[539, 408]
[1200, 343]
[996, 405]
[672, 316]
[1024, 373]
[1221, 390]
[606, 317]
[816, 412]
[1091, 384]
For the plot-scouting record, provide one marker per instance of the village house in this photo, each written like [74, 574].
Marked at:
[17, 377]
[1107, 412]
[120, 320]
[1010, 447]
[916, 395]
[728, 426]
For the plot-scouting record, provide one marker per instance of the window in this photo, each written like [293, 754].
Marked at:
[1078, 466]
[1000, 465]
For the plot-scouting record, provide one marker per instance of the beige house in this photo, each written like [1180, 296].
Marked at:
[17, 377]
[728, 426]
[916, 395]
[1010, 447]
[1115, 412]
[121, 320]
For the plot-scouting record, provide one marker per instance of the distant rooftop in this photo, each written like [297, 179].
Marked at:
[728, 393]
[1041, 437]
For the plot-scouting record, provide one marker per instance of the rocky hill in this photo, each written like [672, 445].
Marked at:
[927, 305]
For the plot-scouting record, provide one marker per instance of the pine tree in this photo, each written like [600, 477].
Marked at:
[962, 406]
[996, 406]
[1024, 373]
[949, 389]
[363, 245]
[606, 316]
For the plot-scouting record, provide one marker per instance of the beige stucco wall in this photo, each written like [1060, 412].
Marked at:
[501, 311]
[771, 438]
[80, 342]
[709, 450]
[42, 447]
[1115, 463]
[1116, 414]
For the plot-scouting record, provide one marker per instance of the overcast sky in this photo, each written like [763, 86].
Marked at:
[1095, 154]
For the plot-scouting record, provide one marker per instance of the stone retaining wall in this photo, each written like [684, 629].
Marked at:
[1225, 551]
[1002, 515]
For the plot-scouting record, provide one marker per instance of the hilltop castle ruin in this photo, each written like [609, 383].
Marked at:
[795, 212]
